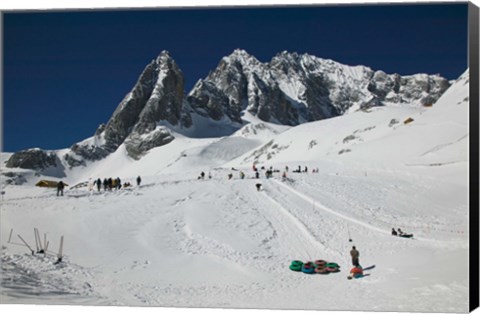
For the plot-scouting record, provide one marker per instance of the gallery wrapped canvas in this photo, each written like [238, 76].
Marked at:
[273, 157]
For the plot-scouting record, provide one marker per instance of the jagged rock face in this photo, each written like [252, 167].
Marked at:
[290, 89]
[157, 96]
[293, 89]
[35, 159]
[223, 92]
[80, 153]
[136, 145]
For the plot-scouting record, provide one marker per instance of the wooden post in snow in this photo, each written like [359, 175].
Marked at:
[60, 251]
[36, 239]
[33, 252]
[39, 242]
[10, 236]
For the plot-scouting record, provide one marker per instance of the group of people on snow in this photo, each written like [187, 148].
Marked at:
[269, 172]
[110, 184]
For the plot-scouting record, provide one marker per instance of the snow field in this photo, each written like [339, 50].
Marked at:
[176, 241]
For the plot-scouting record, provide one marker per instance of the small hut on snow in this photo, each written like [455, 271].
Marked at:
[48, 184]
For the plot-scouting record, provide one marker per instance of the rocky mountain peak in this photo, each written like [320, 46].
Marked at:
[291, 89]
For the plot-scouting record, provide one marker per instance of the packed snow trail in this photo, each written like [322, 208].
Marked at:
[296, 235]
[328, 210]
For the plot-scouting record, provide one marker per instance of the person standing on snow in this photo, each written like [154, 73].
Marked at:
[99, 184]
[139, 180]
[354, 254]
[60, 187]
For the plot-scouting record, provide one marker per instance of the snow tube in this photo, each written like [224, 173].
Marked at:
[296, 267]
[406, 236]
[296, 263]
[332, 269]
[320, 263]
[308, 268]
[356, 270]
[321, 270]
[332, 265]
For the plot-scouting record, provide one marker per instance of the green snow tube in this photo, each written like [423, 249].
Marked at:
[332, 265]
[296, 265]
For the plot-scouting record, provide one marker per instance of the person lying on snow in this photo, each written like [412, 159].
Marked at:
[356, 272]
[400, 233]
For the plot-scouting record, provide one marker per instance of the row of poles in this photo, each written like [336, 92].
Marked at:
[41, 248]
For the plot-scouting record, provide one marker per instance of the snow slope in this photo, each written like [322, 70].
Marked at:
[177, 240]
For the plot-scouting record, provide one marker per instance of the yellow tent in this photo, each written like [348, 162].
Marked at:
[48, 184]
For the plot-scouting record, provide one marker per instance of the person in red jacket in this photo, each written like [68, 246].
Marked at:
[356, 272]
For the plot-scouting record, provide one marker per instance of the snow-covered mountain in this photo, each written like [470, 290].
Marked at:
[292, 89]
[289, 90]
[177, 240]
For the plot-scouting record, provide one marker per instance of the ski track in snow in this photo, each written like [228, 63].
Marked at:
[328, 210]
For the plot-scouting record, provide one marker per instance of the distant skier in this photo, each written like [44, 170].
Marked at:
[259, 186]
[242, 175]
[202, 175]
[139, 180]
[394, 232]
[105, 184]
[257, 175]
[99, 184]
[119, 183]
[60, 187]
[355, 255]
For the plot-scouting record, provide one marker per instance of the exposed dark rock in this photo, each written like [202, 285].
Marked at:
[35, 159]
[136, 144]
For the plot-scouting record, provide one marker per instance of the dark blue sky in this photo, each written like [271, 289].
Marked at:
[64, 73]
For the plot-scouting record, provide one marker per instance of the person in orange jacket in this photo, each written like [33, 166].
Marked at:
[356, 272]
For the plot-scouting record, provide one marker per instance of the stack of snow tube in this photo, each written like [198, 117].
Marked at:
[317, 267]
[296, 265]
[308, 268]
